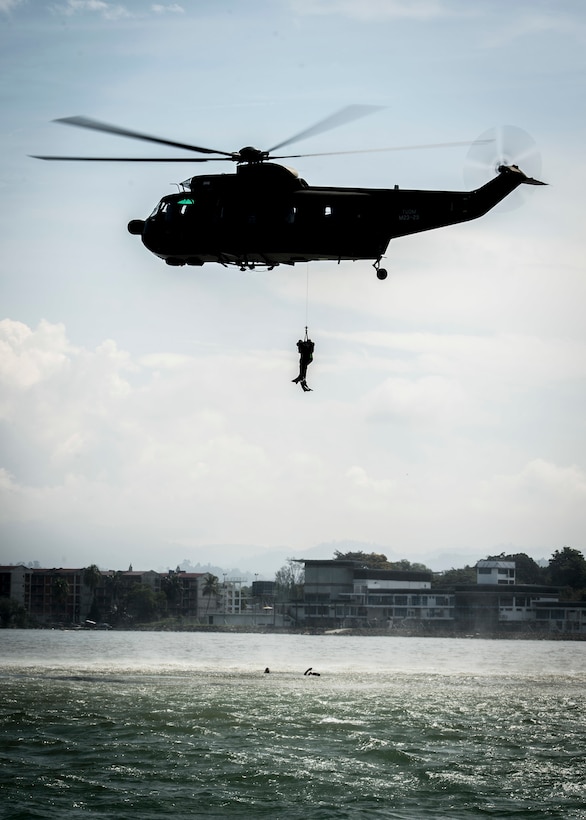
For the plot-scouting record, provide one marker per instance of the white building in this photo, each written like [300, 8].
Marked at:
[495, 572]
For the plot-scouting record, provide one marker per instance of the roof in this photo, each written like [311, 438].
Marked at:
[392, 575]
[496, 564]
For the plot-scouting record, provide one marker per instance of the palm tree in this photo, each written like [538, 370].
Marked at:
[92, 578]
[114, 586]
[210, 588]
[61, 592]
[171, 586]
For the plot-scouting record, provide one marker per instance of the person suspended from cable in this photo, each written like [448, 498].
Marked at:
[305, 347]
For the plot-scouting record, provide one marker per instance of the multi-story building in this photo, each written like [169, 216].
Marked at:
[495, 572]
[47, 594]
[336, 594]
[495, 608]
[69, 596]
[341, 593]
[561, 616]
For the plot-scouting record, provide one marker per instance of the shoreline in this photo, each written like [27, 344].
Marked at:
[516, 635]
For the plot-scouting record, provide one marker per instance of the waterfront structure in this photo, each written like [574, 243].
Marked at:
[561, 616]
[495, 572]
[69, 596]
[502, 608]
[343, 593]
[337, 594]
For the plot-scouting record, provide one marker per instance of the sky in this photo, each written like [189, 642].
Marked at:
[147, 414]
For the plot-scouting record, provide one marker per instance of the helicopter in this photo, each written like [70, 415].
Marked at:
[266, 215]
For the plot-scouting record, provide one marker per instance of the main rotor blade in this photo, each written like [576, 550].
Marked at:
[390, 148]
[135, 159]
[341, 117]
[95, 125]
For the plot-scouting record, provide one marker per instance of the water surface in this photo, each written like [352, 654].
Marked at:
[152, 725]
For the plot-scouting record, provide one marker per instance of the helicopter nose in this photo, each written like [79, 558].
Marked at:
[136, 226]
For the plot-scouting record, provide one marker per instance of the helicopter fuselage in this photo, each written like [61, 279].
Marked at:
[265, 215]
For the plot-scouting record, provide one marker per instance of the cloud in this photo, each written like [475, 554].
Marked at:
[533, 22]
[28, 357]
[368, 10]
[542, 497]
[7, 5]
[169, 8]
[110, 11]
[507, 358]
[218, 447]
[541, 478]
[429, 401]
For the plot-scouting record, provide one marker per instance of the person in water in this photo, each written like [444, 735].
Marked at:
[305, 348]
[311, 672]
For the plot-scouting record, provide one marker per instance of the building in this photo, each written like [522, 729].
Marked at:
[561, 616]
[336, 594]
[48, 595]
[493, 608]
[495, 572]
[339, 594]
[68, 597]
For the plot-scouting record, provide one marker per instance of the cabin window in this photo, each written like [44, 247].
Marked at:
[161, 208]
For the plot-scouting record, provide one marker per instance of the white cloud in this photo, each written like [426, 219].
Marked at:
[369, 10]
[8, 5]
[201, 449]
[27, 356]
[168, 8]
[541, 480]
[110, 11]
[429, 401]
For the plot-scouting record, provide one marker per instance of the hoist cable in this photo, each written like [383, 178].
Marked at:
[306, 297]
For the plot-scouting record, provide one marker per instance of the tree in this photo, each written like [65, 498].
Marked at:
[408, 566]
[92, 578]
[210, 587]
[465, 575]
[527, 571]
[171, 586]
[567, 568]
[377, 560]
[115, 587]
[12, 613]
[369, 560]
[61, 593]
[142, 602]
[289, 580]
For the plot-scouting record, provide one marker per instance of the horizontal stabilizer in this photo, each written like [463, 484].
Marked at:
[531, 181]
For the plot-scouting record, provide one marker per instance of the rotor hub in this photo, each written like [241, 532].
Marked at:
[251, 154]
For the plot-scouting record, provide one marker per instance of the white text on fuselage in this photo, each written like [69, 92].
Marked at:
[408, 214]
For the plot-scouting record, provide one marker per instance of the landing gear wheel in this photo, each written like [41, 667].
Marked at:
[380, 272]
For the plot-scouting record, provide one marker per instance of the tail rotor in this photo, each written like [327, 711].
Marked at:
[502, 145]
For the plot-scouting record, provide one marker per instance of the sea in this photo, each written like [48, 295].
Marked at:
[190, 725]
